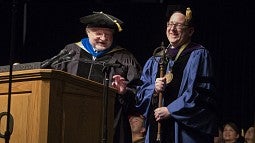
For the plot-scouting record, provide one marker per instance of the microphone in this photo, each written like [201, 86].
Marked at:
[65, 57]
[51, 60]
[115, 65]
[105, 64]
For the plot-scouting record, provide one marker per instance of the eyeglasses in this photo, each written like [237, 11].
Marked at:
[178, 26]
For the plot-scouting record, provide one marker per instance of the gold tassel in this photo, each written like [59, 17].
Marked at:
[188, 15]
[118, 25]
[115, 21]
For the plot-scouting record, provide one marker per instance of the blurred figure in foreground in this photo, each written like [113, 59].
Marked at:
[137, 128]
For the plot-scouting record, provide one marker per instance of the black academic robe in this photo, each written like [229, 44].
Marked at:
[83, 64]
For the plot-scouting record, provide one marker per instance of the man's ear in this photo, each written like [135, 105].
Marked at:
[191, 31]
[86, 31]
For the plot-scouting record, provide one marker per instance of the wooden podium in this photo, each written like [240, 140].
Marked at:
[50, 106]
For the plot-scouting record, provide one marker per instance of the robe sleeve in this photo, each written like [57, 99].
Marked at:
[146, 90]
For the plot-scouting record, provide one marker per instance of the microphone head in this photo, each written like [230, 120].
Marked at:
[63, 52]
[70, 55]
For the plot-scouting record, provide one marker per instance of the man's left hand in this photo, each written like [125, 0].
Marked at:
[119, 83]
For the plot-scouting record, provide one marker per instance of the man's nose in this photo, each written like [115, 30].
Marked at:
[103, 36]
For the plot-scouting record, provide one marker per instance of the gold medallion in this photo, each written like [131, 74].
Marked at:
[169, 77]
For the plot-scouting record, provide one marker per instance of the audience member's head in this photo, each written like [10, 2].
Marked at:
[230, 132]
[249, 135]
[137, 127]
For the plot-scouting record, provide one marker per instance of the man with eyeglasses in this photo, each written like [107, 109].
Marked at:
[99, 53]
[188, 111]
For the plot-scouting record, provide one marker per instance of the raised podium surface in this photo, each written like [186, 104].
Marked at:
[50, 106]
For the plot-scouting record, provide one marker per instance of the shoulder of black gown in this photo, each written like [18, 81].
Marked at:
[117, 49]
[73, 46]
[123, 55]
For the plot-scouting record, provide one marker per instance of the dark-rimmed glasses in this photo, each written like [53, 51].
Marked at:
[178, 26]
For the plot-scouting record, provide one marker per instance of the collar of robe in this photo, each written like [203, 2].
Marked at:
[90, 49]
